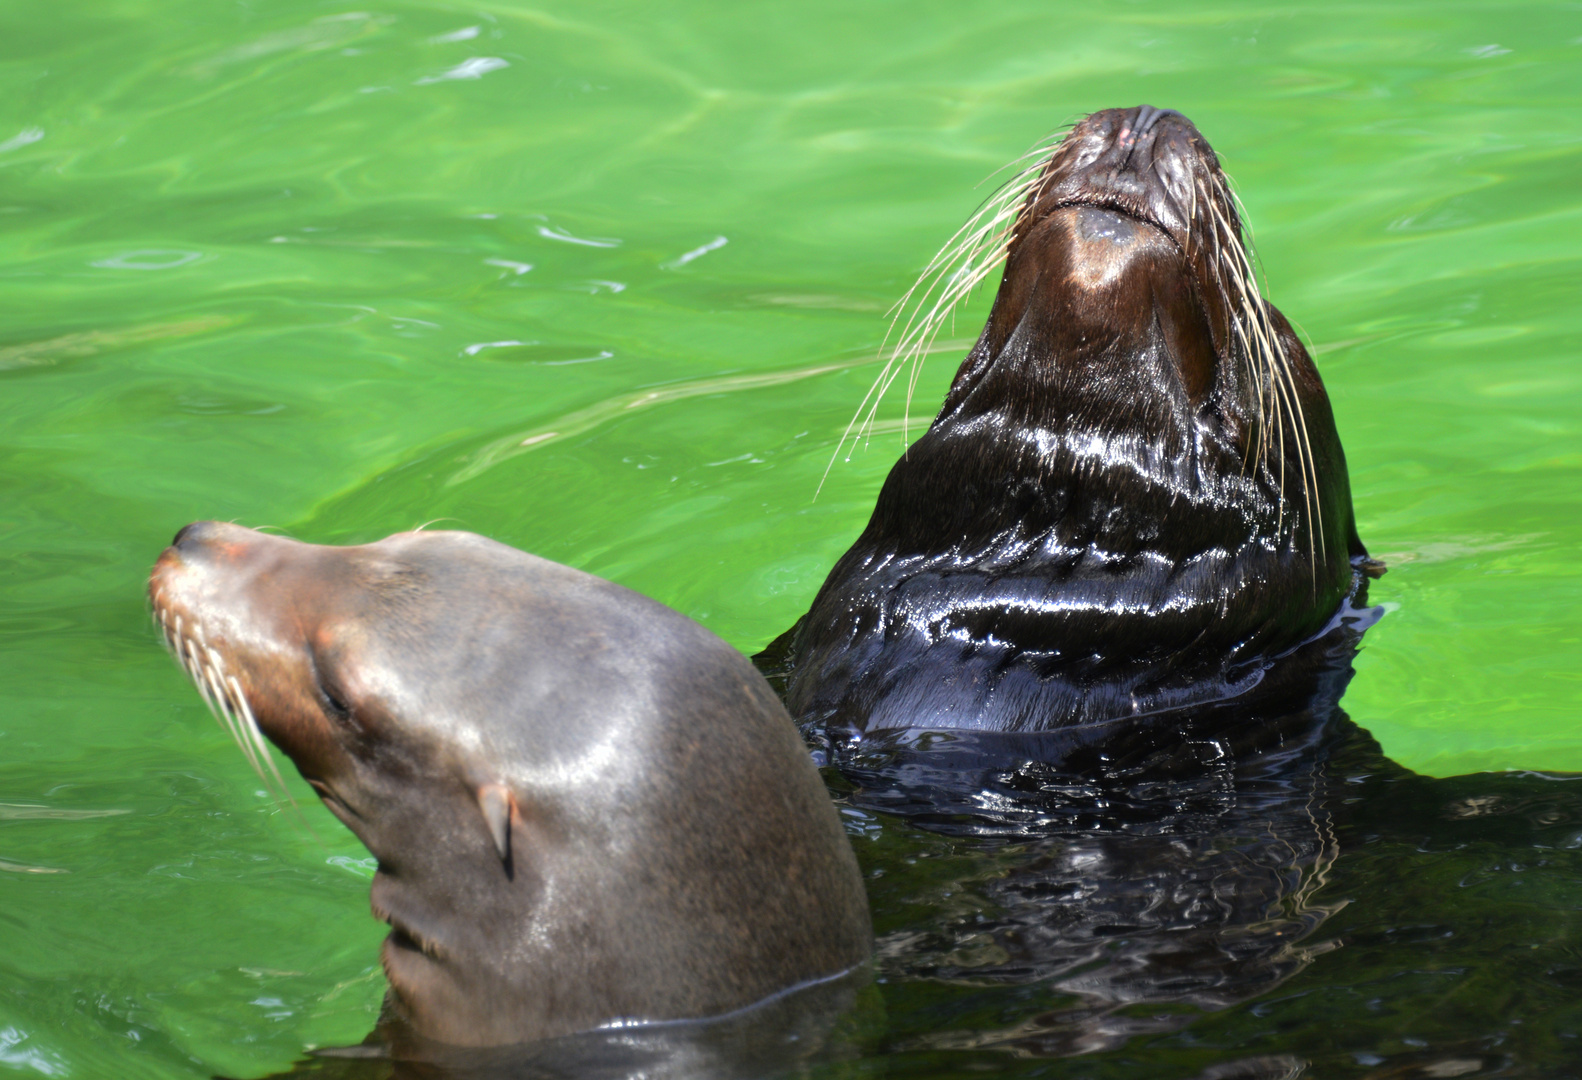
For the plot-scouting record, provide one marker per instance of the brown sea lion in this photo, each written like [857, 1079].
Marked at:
[587, 809]
[1134, 498]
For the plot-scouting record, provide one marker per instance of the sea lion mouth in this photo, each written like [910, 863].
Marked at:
[404, 939]
[1115, 206]
[336, 805]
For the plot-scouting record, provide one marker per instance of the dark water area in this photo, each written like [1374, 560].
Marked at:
[1155, 900]
[1307, 908]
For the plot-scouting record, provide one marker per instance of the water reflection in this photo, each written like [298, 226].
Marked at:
[826, 1022]
[1129, 871]
[1180, 890]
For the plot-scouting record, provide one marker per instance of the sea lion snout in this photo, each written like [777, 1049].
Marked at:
[206, 540]
[194, 535]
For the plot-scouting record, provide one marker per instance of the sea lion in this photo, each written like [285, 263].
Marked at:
[1134, 497]
[587, 809]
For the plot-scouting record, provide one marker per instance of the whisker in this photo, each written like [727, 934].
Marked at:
[226, 700]
[962, 263]
[1275, 380]
[212, 673]
[250, 725]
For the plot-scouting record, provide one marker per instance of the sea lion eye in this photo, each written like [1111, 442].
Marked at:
[334, 703]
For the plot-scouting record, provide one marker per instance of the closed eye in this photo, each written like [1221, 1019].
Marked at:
[333, 702]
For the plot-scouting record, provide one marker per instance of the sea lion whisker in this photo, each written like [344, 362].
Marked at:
[227, 716]
[1259, 358]
[221, 712]
[1249, 248]
[917, 336]
[164, 627]
[852, 423]
[921, 327]
[965, 239]
[985, 221]
[840, 444]
[969, 256]
[1307, 465]
[1240, 261]
[213, 665]
[1257, 449]
[960, 289]
[1307, 468]
[1254, 449]
[934, 274]
[945, 268]
[250, 724]
[186, 653]
[1041, 150]
[1284, 397]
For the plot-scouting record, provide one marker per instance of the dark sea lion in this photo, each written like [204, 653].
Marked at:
[1134, 498]
[587, 809]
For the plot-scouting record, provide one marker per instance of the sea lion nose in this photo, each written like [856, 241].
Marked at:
[1147, 117]
[213, 539]
[195, 536]
[1138, 131]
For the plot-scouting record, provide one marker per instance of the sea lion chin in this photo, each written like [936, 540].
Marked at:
[586, 808]
[1134, 498]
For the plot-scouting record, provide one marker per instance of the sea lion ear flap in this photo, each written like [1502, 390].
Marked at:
[496, 803]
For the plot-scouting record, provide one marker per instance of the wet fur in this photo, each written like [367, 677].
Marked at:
[1133, 499]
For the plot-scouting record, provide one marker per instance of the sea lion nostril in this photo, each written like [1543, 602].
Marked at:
[1148, 117]
[192, 535]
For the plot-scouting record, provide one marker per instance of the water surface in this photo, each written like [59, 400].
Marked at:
[607, 282]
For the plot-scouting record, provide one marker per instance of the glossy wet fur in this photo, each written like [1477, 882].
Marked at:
[585, 807]
[1134, 495]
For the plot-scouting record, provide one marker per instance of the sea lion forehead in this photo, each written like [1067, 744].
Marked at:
[541, 661]
[446, 559]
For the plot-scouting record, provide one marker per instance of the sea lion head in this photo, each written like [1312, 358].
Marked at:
[1129, 312]
[1131, 201]
[1133, 496]
[585, 807]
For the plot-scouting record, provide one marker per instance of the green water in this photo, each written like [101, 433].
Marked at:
[606, 282]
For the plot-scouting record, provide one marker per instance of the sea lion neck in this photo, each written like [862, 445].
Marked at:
[1092, 384]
